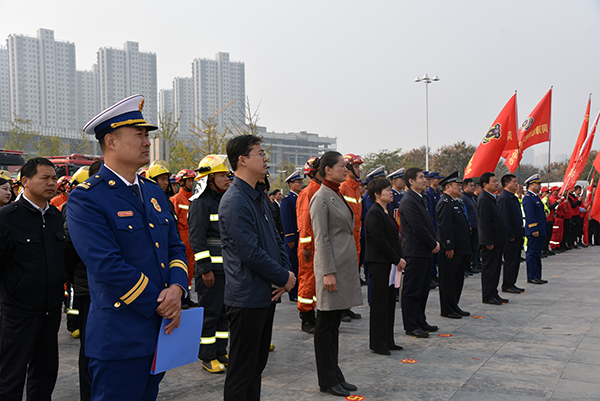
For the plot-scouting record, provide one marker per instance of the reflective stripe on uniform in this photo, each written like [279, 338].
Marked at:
[222, 334]
[216, 259]
[208, 340]
[201, 255]
[72, 312]
[186, 207]
[305, 240]
[305, 300]
[214, 217]
[350, 199]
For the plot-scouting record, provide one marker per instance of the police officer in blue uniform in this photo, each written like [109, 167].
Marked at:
[121, 227]
[398, 187]
[289, 222]
[455, 241]
[535, 229]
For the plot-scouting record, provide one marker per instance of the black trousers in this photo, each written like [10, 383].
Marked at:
[566, 233]
[85, 380]
[215, 329]
[415, 291]
[249, 341]
[452, 279]
[327, 334]
[475, 250]
[382, 310]
[490, 271]
[549, 229]
[512, 261]
[594, 232]
[293, 256]
[28, 349]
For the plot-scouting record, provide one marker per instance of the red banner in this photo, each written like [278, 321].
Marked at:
[535, 129]
[572, 176]
[597, 162]
[579, 144]
[503, 131]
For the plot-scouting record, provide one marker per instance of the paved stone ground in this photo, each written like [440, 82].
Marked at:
[543, 344]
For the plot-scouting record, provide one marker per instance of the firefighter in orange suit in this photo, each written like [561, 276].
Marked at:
[181, 201]
[350, 189]
[63, 194]
[307, 300]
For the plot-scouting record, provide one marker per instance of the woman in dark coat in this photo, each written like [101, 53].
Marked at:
[383, 252]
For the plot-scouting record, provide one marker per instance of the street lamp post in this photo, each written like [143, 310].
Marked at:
[425, 79]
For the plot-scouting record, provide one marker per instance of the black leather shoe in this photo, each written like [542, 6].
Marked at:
[512, 290]
[348, 386]
[336, 390]
[544, 255]
[382, 351]
[543, 281]
[394, 347]
[462, 312]
[519, 289]
[417, 333]
[429, 328]
[353, 315]
[535, 281]
[493, 301]
[503, 300]
[451, 315]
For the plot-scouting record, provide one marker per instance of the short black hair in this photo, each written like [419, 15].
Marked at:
[577, 187]
[411, 174]
[377, 185]
[329, 159]
[477, 184]
[507, 178]
[29, 169]
[466, 182]
[240, 145]
[274, 192]
[95, 167]
[485, 178]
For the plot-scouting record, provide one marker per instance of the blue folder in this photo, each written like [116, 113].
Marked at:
[180, 347]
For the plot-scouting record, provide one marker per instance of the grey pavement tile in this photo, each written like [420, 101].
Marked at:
[543, 351]
[523, 365]
[591, 343]
[570, 340]
[503, 382]
[582, 372]
[483, 395]
[569, 390]
[586, 356]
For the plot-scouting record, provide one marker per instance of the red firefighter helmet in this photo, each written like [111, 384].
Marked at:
[183, 174]
[311, 166]
[351, 158]
[63, 180]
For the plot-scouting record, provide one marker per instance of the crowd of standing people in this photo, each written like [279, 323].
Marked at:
[132, 249]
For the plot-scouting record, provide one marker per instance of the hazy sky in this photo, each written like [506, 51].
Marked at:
[346, 68]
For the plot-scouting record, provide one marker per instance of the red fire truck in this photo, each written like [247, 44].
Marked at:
[68, 165]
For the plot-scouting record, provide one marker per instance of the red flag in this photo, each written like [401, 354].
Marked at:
[579, 144]
[595, 211]
[535, 129]
[503, 131]
[597, 162]
[586, 217]
[581, 160]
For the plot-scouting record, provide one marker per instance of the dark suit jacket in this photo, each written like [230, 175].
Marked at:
[490, 223]
[418, 237]
[510, 208]
[276, 212]
[381, 237]
[453, 226]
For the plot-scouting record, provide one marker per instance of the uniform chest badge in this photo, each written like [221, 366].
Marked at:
[111, 183]
[125, 213]
[156, 205]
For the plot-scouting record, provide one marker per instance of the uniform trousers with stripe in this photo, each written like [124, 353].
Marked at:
[215, 329]
[557, 233]
[28, 349]
[306, 283]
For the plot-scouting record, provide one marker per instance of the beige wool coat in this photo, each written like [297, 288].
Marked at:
[335, 250]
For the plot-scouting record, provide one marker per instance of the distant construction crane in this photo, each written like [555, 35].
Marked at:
[212, 118]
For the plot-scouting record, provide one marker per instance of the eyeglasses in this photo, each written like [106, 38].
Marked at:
[262, 154]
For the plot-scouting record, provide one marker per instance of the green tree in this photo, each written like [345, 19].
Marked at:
[391, 159]
[555, 172]
[416, 158]
[210, 140]
[49, 146]
[20, 136]
[451, 158]
[278, 181]
[84, 145]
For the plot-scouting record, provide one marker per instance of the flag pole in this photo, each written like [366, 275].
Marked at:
[550, 136]
[518, 141]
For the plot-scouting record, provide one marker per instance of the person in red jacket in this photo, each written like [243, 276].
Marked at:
[306, 249]
[62, 192]
[181, 202]
[350, 190]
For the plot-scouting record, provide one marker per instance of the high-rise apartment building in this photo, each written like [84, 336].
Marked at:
[88, 103]
[183, 107]
[127, 72]
[217, 83]
[4, 85]
[165, 103]
[42, 79]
